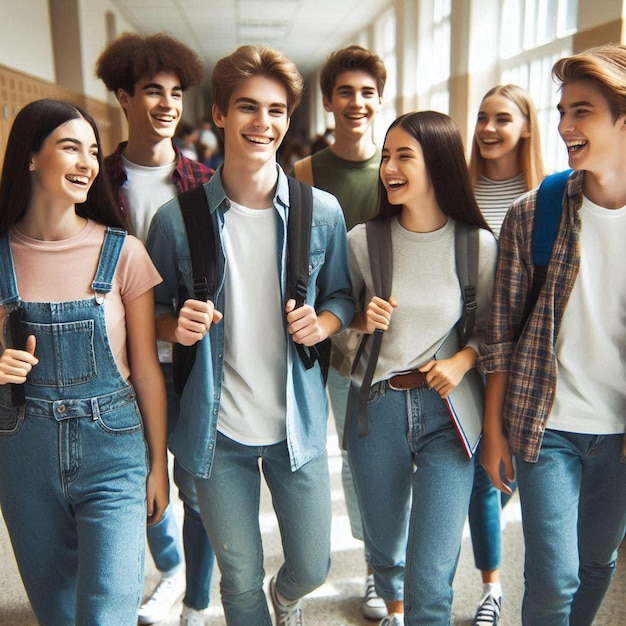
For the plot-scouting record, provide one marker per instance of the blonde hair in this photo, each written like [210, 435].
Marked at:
[530, 154]
[255, 60]
[603, 65]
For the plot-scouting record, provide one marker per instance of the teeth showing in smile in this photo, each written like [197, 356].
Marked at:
[79, 180]
[573, 146]
[164, 118]
[258, 139]
[395, 183]
[356, 116]
[490, 142]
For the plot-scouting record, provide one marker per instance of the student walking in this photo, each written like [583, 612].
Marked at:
[149, 75]
[82, 401]
[411, 470]
[249, 398]
[352, 82]
[505, 163]
[555, 368]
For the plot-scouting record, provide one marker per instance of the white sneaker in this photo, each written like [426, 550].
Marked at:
[393, 620]
[286, 615]
[191, 617]
[166, 594]
[373, 606]
[488, 612]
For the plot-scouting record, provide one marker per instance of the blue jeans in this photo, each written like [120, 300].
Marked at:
[574, 517]
[338, 388]
[164, 537]
[411, 476]
[485, 509]
[229, 503]
[76, 513]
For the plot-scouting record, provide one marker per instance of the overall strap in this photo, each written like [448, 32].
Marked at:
[109, 257]
[298, 246]
[466, 255]
[10, 298]
[378, 234]
[9, 293]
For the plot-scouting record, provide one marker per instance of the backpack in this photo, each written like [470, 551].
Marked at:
[203, 246]
[547, 217]
[379, 246]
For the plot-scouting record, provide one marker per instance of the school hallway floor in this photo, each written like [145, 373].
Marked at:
[337, 602]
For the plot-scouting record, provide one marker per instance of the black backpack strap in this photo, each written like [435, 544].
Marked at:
[201, 236]
[299, 243]
[378, 234]
[466, 258]
[194, 207]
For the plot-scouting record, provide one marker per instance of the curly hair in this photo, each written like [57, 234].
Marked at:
[130, 57]
[351, 59]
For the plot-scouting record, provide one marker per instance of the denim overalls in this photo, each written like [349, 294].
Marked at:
[73, 461]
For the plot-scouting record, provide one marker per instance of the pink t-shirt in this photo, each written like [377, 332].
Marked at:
[59, 271]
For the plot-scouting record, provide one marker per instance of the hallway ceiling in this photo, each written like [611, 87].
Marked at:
[306, 30]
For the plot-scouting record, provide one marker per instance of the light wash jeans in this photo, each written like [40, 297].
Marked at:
[338, 389]
[229, 503]
[164, 537]
[413, 481]
[574, 517]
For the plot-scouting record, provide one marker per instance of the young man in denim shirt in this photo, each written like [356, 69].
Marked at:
[249, 396]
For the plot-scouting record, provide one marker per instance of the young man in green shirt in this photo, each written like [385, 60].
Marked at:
[352, 83]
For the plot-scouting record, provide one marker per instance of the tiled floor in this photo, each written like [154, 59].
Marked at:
[337, 602]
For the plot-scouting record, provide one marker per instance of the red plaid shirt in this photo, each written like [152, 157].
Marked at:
[186, 175]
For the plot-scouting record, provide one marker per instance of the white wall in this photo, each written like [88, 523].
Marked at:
[93, 33]
[25, 39]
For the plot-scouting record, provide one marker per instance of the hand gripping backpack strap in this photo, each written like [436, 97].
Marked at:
[548, 208]
[378, 234]
[299, 242]
[201, 237]
[466, 256]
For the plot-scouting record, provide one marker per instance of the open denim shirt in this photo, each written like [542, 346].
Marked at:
[329, 289]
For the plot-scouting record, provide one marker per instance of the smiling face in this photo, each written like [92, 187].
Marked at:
[403, 169]
[354, 104]
[594, 139]
[256, 121]
[67, 164]
[154, 109]
[499, 127]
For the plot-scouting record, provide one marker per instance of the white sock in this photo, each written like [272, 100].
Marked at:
[492, 589]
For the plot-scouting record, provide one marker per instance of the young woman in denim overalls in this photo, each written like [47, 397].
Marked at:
[74, 465]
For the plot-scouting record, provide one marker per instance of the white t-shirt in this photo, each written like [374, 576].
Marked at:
[253, 401]
[591, 346]
[145, 190]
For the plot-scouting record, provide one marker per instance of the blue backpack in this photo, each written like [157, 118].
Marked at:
[547, 218]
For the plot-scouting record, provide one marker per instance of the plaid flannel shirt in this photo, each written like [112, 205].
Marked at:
[186, 175]
[528, 353]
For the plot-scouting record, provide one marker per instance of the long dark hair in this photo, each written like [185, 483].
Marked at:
[442, 146]
[32, 125]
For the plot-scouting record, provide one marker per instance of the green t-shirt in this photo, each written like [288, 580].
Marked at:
[354, 183]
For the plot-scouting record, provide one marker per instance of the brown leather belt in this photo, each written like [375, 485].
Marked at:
[412, 380]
